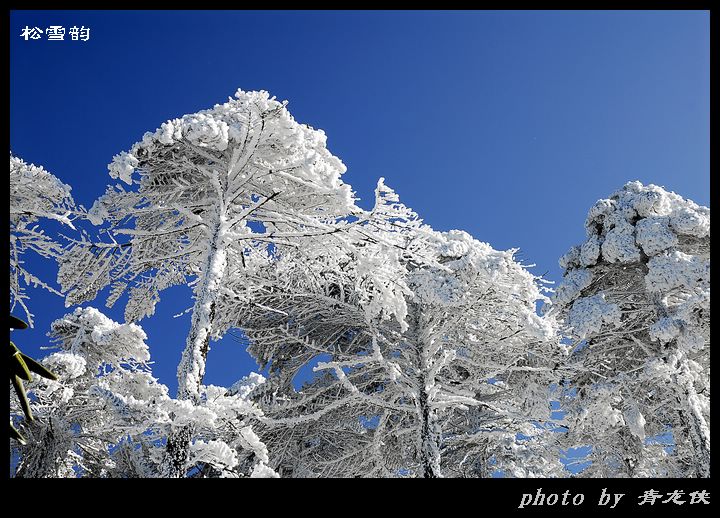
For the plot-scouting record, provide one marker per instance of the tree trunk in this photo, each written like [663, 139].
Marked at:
[633, 448]
[697, 429]
[429, 440]
[428, 436]
[176, 453]
[192, 365]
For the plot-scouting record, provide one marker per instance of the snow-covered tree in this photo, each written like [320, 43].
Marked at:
[107, 416]
[636, 299]
[421, 334]
[326, 301]
[481, 339]
[219, 192]
[211, 187]
[35, 195]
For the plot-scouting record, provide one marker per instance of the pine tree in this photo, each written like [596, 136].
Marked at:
[636, 300]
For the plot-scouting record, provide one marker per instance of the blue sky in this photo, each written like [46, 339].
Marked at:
[506, 124]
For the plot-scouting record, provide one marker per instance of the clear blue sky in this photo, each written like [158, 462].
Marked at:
[508, 125]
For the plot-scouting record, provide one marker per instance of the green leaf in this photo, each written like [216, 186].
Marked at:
[22, 396]
[18, 366]
[38, 368]
[14, 434]
[16, 323]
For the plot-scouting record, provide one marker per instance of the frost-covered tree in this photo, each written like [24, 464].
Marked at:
[421, 336]
[636, 299]
[107, 416]
[326, 302]
[211, 187]
[216, 194]
[480, 338]
[35, 195]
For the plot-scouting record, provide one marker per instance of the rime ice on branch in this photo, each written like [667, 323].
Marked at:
[35, 194]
